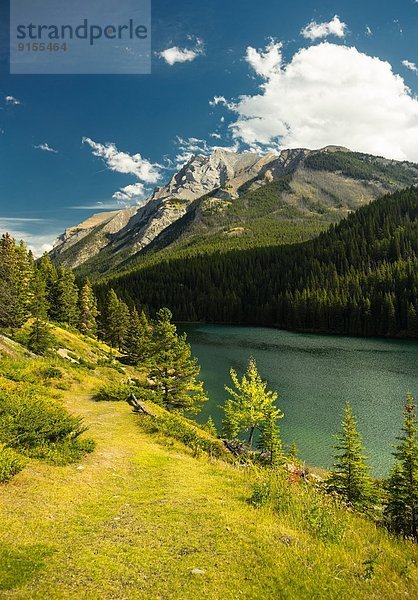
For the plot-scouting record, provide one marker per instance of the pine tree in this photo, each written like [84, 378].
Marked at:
[137, 342]
[16, 274]
[40, 338]
[350, 477]
[210, 427]
[249, 405]
[293, 452]
[402, 485]
[116, 320]
[64, 301]
[48, 273]
[173, 371]
[88, 310]
[269, 441]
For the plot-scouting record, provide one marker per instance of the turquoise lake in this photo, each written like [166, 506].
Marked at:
[314, 376]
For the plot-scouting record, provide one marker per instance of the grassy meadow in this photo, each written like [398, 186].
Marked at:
[146, 516]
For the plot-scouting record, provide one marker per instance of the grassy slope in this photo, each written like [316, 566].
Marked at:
[135, 517]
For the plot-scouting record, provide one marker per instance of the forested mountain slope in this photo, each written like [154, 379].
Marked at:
[359, 278]
[233, 201]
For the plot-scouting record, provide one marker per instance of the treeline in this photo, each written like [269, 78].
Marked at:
[362, 166]
[358, 278]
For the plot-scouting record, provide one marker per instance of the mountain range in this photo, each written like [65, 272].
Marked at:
[231, 200]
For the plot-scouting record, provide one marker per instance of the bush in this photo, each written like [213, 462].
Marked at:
[115, 392]
[40, 427]
[183, 430]
[11, 463]
[322, 520]
[262, 493]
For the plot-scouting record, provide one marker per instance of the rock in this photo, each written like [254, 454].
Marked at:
[197, 572]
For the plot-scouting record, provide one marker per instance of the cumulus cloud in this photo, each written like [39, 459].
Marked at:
[265, 62]
[410, 65]
[175, 54]
[135, 191]
[12, 100]
[131, 164]
[46, 148]
[330, 94]
[314, 31]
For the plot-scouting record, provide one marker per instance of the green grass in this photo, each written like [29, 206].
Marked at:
[138, 515]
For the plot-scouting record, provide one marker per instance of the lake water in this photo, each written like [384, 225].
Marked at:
[314, 376]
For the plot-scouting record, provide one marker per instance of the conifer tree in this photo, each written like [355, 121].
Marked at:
[249, 405]
[16, 274]
[137, 342]
[210, 427]
[49, 275]
[64, 302]
[402, 485]
[293, 452]
[173, 371]
[116, 320]
[40, 338]
[350, 475]
[269, 441]
[88, 310]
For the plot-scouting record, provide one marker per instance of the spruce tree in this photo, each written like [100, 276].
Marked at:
[173, 372]
[402, 485]
[210, 427]
[64, 301]
[40, 338]
[269, 441]
[116, 320]
[16, 274]
[249, 405]
[350, 475]
[136, 344]
[88, 310]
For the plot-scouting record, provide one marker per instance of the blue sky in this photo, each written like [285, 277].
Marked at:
[319, 82]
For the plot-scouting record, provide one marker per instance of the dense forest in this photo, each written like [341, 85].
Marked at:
[358, 278]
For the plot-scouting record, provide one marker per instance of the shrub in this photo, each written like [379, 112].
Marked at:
[11, 463]
[183, 430]
[52, 373]
[40, 427]
[115, 391]
[322, 519]
[262, 493]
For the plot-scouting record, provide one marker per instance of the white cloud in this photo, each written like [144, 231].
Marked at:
[331, 94]
[135, 191]
[265, 63]
[122, 162]
[46, 148]
[131, 164]
[38, 243]
[175, 54]
[315, 31]
[410, 65]
[221, 100]
[12, 100]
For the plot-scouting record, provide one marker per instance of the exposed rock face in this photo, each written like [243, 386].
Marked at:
[129, 230]
[78, 244]
[223, 177]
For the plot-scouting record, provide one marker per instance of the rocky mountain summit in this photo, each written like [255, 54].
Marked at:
[303, 184]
